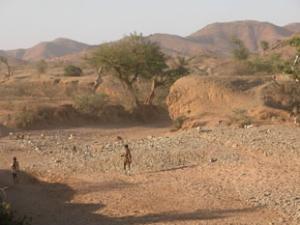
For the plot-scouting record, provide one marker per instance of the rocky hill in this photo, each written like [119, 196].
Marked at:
[176, 45]
[294, 27]
[45, 50]
[218, 36]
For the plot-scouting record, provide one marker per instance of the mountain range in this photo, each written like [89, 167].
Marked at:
[214, 38]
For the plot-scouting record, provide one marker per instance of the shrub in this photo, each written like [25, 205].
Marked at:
[178, 122]
[240, 51]
[72, 70]
[7, 216]
[261, 65]
[295, 42]
[269, 65]
[41, 66]
[240, 117]
[91, 104]
[29, 117]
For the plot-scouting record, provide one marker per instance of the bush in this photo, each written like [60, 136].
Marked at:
[295, 42]
[178, 122]
[269, 65]
[261, 65]
[28, 118]
[41, 66]
[240, 118]
[72, 71]
[7, 216]
[240, 51]
[91, 104]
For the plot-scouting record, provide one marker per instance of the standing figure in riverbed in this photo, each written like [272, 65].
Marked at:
[127, 158]
[15, 168]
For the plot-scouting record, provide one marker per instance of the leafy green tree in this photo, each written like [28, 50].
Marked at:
[41, 66]
[129, 59]
[240, 51]
[4, 60]
[72, 70]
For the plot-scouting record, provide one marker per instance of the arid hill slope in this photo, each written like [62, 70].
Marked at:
[176, 45]
[294, 27]
[218, 36]
[45, 50]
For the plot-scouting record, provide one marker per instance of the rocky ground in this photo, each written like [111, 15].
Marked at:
[200, 176]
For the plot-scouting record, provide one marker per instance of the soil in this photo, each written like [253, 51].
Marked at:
[200, 176]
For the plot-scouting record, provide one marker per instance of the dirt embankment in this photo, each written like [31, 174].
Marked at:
[212, 100]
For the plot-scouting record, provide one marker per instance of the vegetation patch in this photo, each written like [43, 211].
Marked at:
[72, 71]
[8, 217]
[178, 122]
[240, 118]
[91, 104]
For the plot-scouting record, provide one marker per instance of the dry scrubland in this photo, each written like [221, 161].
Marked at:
[229, 156]
[215, 173]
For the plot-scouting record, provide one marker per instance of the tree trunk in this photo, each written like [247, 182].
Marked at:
[131, 89]
[9, 73]
[150, 98]
[98, 80]
[296, 60]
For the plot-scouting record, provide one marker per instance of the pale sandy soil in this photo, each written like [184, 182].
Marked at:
[255, 179]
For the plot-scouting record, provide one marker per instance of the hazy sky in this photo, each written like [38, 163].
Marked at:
[24, 23]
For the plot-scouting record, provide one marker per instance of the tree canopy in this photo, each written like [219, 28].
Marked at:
[130, 58]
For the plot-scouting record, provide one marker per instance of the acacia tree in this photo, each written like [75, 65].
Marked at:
[5, 62]
[129, 59]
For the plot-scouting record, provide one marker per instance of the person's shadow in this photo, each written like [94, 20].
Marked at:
[51, 204]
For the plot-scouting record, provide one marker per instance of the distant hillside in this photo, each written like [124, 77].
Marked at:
[46, 50]
[293, 27]
[176, 45]
[218, 36]
[213, 39]
[11, 59]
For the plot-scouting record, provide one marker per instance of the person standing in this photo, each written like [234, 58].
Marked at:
[127, 158]
[15, 168]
